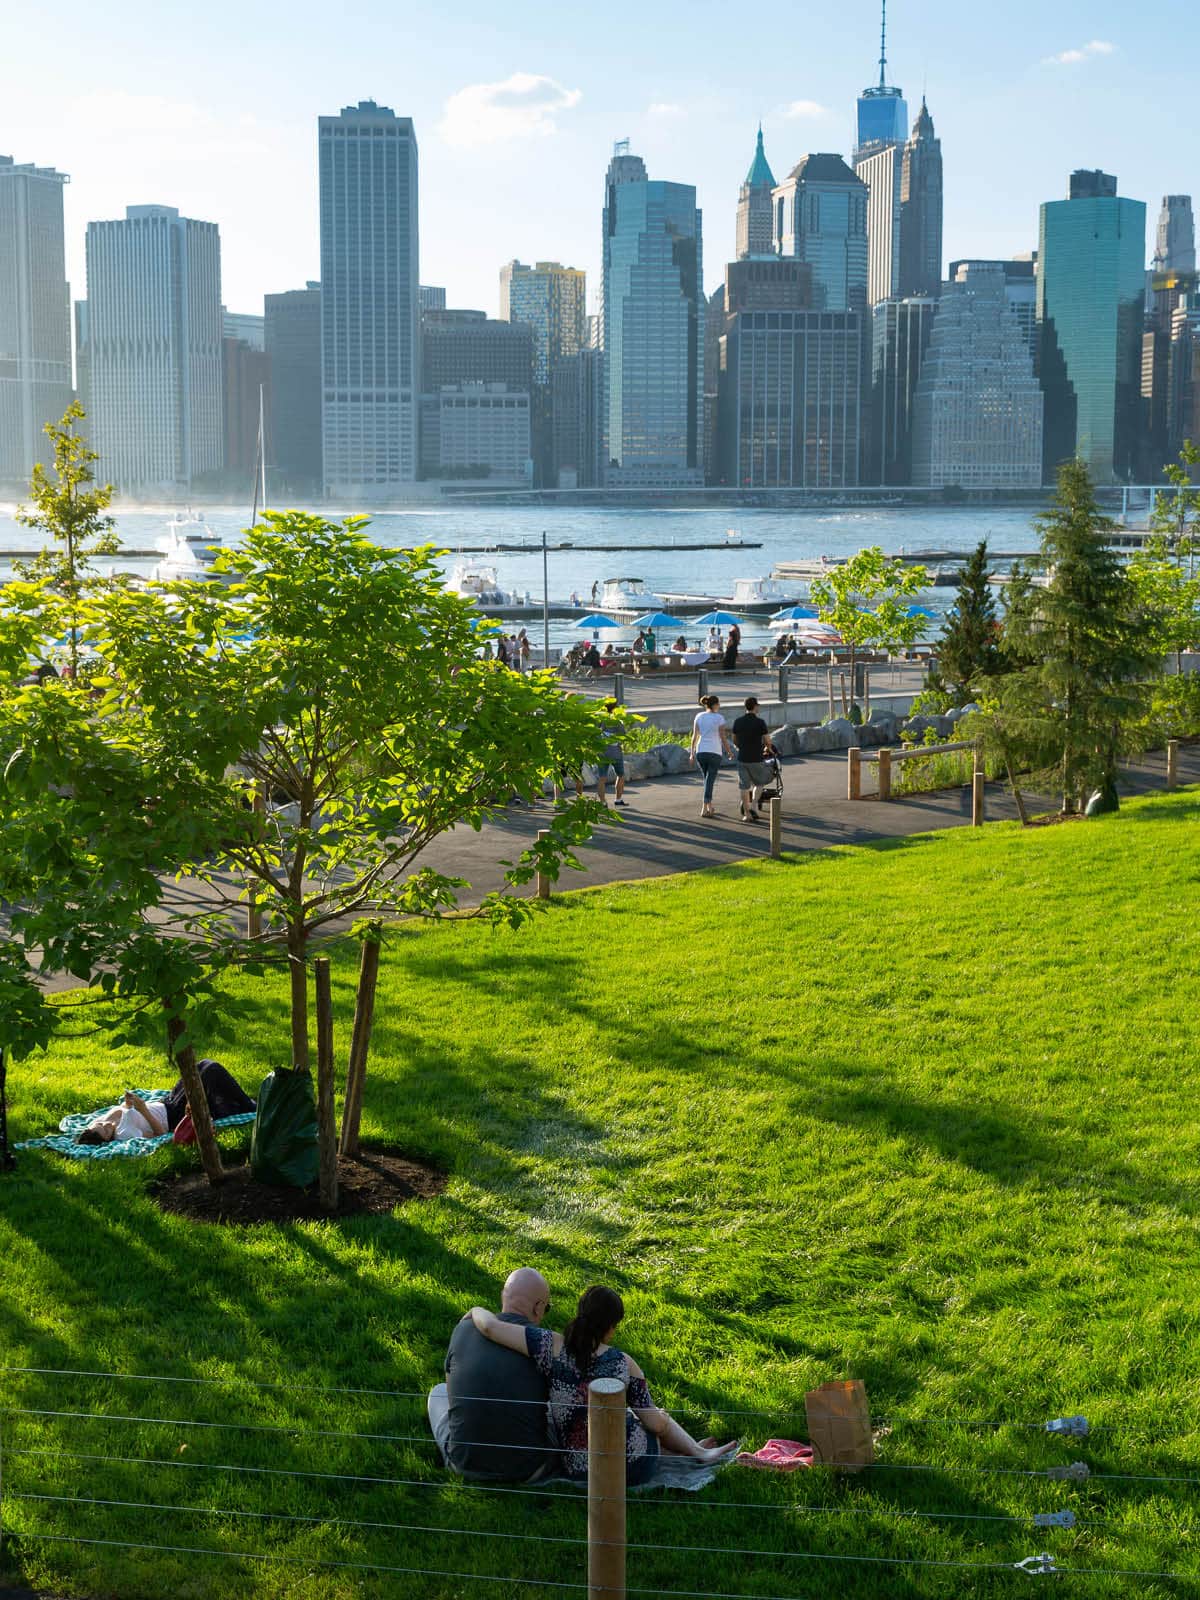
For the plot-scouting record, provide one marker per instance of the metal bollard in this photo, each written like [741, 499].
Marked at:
[782, 688]
[701, 683]
[542, 881]
[618, 693]
[775, 816]
[606, 1489]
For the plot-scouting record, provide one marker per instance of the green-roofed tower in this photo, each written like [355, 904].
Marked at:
[755, 230]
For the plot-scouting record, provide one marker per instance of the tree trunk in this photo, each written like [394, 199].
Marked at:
[326, 1121]
[298, 975]
[1017, 795]
[360, 1043]
[184, 1058]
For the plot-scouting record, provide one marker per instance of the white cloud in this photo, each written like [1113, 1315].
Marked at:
[807, 110]
[490, 113]
[1084, 52]
[665, 108]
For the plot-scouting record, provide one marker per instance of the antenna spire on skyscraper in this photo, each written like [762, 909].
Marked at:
[883, 49]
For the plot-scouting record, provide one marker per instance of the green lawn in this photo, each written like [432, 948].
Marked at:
[922, 1113]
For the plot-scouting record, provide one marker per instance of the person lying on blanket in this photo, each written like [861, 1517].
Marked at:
[135, 1118]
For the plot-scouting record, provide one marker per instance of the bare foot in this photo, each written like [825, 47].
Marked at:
[722, 1452]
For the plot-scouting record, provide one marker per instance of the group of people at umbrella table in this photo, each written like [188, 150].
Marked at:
[646, 649]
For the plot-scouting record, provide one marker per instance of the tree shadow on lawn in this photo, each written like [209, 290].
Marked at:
[987, 1139]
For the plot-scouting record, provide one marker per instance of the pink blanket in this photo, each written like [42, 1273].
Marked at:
[779, 1455]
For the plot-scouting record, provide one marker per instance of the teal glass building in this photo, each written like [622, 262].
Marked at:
[653, 330]
[1090, 300]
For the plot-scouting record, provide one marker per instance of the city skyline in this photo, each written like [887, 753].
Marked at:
[514, 115]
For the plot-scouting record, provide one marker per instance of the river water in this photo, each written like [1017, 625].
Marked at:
[784, 535]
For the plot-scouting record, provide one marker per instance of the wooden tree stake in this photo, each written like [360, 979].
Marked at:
[326, 1116]
[360, 1044]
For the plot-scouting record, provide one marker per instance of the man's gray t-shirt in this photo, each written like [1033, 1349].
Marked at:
[478, 1370]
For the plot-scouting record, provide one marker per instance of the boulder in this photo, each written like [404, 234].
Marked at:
[672, 757]
[643, 764]
[917, 727]
[841, 734]
[786, 739]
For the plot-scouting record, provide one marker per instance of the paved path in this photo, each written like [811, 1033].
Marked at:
[660, 830]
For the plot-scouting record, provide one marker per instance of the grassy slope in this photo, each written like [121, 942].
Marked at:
[922, 1113]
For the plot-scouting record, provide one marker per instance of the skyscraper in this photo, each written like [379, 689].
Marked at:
[977, 410]
[1020, 289]
[461, 346]
[35, 316]
[1091, 261]
[881, 168]
[755, 218]
[921, 210]
[370, 300]
[653, 329]
[899, 337]
[1175, 242]
[293, 340]
[882, 111]
[551, 300]
[154, 349]
[821, 218]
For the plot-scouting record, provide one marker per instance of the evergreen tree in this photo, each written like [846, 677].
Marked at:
[1086, 657]
[969, 648]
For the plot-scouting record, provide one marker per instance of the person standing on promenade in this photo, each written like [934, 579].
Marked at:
[753, 742]
[709, 742]
[732, 646]
[613, 757]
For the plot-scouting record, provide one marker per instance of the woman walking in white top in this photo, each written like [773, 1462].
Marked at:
[709, 742]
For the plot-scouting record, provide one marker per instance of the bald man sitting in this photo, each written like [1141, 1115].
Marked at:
[489, 1417]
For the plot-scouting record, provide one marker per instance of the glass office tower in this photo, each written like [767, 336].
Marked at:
[1091, 291]
[653, 322]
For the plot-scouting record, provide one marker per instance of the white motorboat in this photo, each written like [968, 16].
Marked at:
[749, 595]
[474, 580]
[628, 595]
[189, 549]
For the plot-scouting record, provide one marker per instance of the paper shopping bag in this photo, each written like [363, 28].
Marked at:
[839, 1425]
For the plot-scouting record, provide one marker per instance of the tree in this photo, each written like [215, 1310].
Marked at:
[842, 597]
[1084, 649]
[75, 517]
[968, 649]
[331, 717]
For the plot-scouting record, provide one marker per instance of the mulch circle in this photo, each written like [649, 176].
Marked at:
[372, 1183]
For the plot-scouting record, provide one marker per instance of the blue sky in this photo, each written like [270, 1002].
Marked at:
[214, 110]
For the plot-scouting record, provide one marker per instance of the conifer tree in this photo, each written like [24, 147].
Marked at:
[968, 648]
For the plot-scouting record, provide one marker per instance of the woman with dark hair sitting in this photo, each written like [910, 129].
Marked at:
[571, 1360]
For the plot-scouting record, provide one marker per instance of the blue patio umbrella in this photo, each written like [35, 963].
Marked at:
[921, 611]
[796, 614]
[658, 620]
[594, 620]
[718, 619]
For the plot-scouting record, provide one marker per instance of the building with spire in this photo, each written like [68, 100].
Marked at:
[755, 226]
[921, 210]
[882, 112]
[1175, 243]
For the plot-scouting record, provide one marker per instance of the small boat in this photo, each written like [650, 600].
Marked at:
[750, 595]
[189, 549]
[627, 595]
[476, 581]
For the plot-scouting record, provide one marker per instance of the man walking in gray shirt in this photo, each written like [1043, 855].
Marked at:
[489, 1417]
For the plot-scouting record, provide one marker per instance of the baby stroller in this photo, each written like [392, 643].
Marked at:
[774, 789]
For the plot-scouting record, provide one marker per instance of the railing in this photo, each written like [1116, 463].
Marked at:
[886, 757]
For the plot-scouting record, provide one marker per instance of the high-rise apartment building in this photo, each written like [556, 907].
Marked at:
[653, 329]
[1175, 241]
[1020, 290]
[977, 410]
[35, 316]
[882, 110]
[154, 349]
[755, 208]
[881, 168]
[293, 342]
[899, 338]
[433, 297]
[921, 204]
[1091, 262]
[821, 219]
[370, 300]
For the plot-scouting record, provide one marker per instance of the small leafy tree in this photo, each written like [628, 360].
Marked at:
[74, 514]
[968, 649]
[867, 599]
[1087, 653]
[331, 716]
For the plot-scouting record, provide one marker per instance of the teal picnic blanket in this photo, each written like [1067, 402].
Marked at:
[64, 1141]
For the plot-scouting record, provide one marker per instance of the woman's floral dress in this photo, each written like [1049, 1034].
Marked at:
[568, 1404]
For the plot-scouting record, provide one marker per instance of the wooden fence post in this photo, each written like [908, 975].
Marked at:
[1172, 763]
[977, 782]
[832, 711]
[326, 1116]
[775, 817]
[885, 774]
[853, 773]
[606, 1489]
[542, 881]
